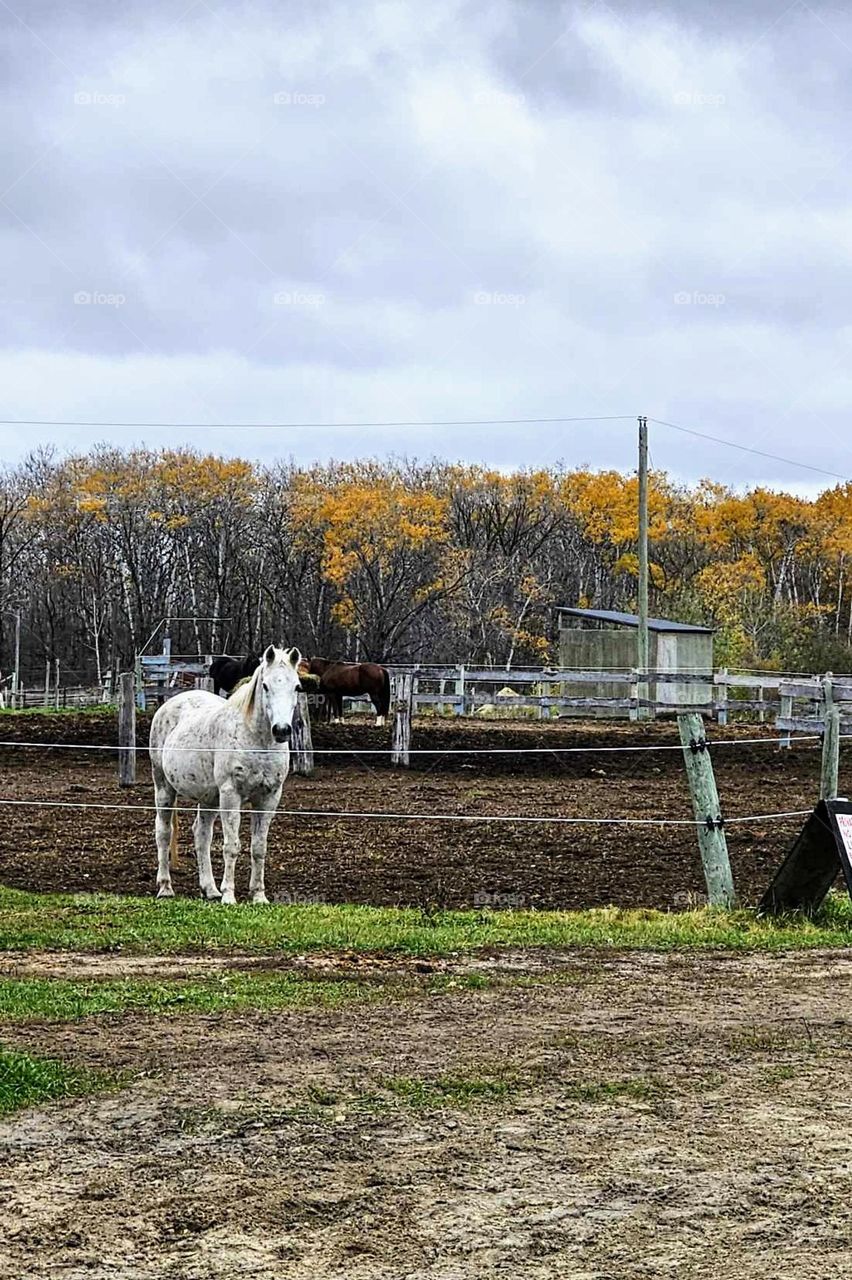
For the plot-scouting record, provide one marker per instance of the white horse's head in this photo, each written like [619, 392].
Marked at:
[279, 685]
[273, 689]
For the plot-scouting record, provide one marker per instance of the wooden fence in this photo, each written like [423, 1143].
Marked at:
[792, 704]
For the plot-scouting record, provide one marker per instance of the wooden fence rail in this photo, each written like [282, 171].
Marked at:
[794, 704]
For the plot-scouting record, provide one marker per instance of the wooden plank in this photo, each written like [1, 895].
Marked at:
[705, 806]
[750, 682]
[801, 689]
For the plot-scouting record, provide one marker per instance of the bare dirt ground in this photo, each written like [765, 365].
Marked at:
[387, 862]
[679, 1115]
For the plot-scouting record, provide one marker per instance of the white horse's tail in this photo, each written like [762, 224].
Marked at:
[173, 841]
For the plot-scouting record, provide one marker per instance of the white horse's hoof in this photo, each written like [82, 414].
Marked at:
[211, 895]
[260, 898]
[228, 900]
[165, 891]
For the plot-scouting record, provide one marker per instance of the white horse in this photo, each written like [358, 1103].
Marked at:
[224, 754]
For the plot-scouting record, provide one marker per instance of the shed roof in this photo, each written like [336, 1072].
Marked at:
[632, 620]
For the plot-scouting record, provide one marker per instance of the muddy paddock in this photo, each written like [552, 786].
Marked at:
[423, 862]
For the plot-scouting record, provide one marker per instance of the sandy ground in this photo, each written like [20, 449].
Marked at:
[725, 1153]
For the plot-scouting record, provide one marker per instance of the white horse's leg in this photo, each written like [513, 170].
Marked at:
[229, 813]
[164, 796]
[203, 830]
[261, 817]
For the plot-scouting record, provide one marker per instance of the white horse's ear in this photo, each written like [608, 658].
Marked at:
[294, 657]
[269, 656]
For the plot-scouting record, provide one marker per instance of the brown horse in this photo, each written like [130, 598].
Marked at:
[339, 680]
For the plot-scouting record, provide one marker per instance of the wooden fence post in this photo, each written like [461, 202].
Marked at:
[785, 712]
[722, 701]
[56, 683]
[401, 732]
[705, 806]
[460, 699]
[140, 687]
[633, 694]
[126, 729]
[830, 771]
[301, 743]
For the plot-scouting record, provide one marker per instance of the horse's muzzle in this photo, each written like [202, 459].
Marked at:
[282, 732]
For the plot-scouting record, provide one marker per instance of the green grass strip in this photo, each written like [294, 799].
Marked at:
[26, 1081]
[100, 922]
[23, 999]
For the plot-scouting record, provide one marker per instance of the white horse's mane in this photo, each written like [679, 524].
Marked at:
[244, 697]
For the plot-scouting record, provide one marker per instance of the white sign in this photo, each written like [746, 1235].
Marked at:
[844, 826]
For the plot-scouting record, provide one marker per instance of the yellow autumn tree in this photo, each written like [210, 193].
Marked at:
[384, 551]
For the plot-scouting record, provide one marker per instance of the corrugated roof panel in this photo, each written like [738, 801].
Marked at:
[632, 620]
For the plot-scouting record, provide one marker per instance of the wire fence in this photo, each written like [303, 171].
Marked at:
[385, 815]
[143, 748]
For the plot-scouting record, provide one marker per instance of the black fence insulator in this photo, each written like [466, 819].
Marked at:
[714, 824]
[697, 744]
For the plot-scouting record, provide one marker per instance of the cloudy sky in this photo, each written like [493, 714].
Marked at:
[243, 213]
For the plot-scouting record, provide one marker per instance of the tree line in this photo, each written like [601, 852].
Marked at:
[399, 561]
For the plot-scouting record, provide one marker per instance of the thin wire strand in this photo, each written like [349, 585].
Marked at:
[745, 448]
[414, 751]
[306, 426]
[403, 817]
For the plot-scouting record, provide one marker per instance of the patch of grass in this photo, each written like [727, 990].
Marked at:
[66, 999]
[26, 1081]
[452, 1090]
[23, 999]
[98, 922]
[639, 1089]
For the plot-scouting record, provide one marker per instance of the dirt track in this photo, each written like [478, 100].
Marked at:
[427, 863]
[676, 1115]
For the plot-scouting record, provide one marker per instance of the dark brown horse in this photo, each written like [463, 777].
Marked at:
[339, 680]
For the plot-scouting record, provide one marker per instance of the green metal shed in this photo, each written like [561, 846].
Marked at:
[605, 640]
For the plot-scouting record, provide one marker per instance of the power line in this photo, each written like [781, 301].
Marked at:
[440, 422]
[745, 448]
[308, 426]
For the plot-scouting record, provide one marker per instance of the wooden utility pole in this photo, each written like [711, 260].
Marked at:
[642, 647]
[707, 810]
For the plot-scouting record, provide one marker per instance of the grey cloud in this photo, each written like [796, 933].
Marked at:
[450, 212]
